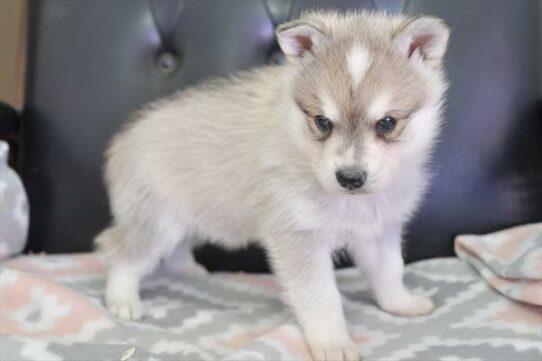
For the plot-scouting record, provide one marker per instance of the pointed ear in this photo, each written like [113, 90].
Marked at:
[299, 38]
[424, 39]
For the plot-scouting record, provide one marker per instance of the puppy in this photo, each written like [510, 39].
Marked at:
[327, 151]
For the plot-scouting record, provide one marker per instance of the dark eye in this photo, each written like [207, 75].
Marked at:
[386, 124]
[323, 123]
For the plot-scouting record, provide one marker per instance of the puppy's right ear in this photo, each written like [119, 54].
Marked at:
[299, 38]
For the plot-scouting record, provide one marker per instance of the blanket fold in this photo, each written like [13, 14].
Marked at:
[509, 260]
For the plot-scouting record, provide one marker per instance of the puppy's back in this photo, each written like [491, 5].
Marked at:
[197, 149]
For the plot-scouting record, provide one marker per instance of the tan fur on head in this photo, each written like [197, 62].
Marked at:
[326, 151]
[367, 67]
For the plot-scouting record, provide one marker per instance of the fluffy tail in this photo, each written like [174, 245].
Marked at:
[107, 242]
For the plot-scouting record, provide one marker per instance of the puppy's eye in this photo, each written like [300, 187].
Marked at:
[386, 125]
[323, 123]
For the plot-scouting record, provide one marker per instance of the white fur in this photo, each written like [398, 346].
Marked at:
[233, 161]
[379, 106]
[331, 111]
[359, 61]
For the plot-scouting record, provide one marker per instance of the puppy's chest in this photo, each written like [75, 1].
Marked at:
[347, 214]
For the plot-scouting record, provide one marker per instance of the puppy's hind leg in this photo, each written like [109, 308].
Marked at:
[122, 290]
[131, 253]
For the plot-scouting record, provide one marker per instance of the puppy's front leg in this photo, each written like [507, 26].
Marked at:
[304, 267]
[380, 257]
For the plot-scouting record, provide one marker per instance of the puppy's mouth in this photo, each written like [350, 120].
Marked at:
[357, 192]
[370, 187]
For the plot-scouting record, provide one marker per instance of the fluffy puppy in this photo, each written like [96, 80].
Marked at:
[326, 151]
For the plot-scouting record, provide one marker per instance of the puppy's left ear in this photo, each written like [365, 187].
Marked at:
[299, 38]
[424, 39]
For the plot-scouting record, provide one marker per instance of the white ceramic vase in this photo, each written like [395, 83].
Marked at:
[13, 208]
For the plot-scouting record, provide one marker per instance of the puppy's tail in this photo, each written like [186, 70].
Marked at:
[107, 241]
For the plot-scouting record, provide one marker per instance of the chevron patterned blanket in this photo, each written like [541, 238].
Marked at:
[52, 309]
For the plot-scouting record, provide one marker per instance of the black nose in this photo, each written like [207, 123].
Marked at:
[351, 178]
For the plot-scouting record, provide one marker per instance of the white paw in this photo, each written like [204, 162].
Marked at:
[410, 305]
[125, 307]
[336, 352]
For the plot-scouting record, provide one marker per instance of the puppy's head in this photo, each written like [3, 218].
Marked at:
[367, 90]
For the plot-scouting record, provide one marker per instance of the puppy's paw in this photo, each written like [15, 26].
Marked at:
[336, 352]
[127, 307]
[410, 305]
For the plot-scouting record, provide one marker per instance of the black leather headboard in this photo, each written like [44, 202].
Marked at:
[91, 63]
